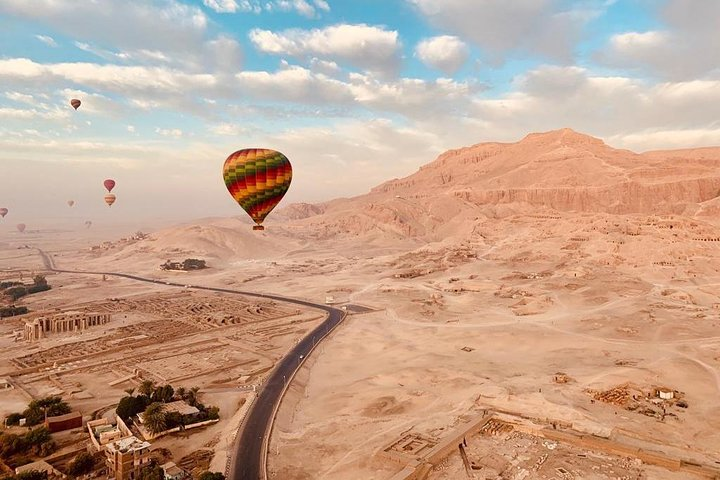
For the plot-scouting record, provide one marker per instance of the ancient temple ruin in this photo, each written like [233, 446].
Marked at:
[40, 327]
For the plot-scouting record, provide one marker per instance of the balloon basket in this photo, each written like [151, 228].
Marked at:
[258, 227]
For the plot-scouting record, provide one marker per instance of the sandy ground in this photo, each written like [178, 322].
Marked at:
[479, 304]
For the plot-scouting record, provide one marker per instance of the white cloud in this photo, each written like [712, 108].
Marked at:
[446, 53]
[322, 5]
[500, 27]
[169, 132]
[324, 66]
[229, 129]
[686, 48]
[362, 45]
[49, 41]
[222, 6]
[131, 128]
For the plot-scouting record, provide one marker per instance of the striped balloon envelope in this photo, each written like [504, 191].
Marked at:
[257, 179]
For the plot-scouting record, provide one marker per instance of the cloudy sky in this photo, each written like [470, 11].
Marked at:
[354, 92]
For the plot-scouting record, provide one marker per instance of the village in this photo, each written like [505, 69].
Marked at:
[151, 385]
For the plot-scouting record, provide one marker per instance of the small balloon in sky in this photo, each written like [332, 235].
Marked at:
[109, 184]
[3, 212]
[21, 227]
[75, 103]
[110, 199]
[71, 203]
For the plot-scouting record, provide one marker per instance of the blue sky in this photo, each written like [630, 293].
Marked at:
[354, 92]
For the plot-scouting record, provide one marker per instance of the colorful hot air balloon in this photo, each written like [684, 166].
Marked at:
[75, 103]
[257, 179]
[109, 184]
[110, 199]
[21, 227]
[71, 203]
[3, 212]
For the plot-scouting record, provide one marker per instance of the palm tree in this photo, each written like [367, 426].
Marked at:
[147, 387]
[154, 418]
[181, 393]
[192, 396]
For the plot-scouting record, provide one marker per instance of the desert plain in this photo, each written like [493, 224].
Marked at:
[534, 298]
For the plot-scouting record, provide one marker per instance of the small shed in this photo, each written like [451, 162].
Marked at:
[665, 393]
[64, 422]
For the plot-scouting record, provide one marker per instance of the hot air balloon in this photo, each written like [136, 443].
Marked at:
[110, 199]
[71, 203]
[257, 179]
[88, 224]
[3, 212]
[21, 227]
[75, 103]
[109, 184]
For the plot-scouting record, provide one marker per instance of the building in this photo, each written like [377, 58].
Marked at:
[40, 327]
[176, 407]
[64, 422]
[39, 466]
[102, 432]
[125, 458]
[173, 472]
[665, 393]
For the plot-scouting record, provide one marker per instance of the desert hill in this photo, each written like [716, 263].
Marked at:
[457, 196]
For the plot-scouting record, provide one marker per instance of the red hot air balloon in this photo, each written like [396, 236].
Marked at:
[3, 212]
[71, 203]
[109, 184]
[75, 103]
[21, 227]
[110, 199]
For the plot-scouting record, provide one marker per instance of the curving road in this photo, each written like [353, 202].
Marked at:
[249, 462]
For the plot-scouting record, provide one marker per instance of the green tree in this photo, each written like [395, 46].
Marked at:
[128, 407]
[147, 387]
[32, 475]
[212, 476]
[40, 280]
[213, 413]
[163, 394]
[154, 418]
[192, 396]
[152, 472]
[180, 393]
[83, 463]
[37, 409]
[14, 418]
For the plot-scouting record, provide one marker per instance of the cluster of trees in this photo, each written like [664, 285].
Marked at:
[151, 400]
[187, 264]
[12, 310]
[212, 476]
[14, 448]
[18, 290]
[31, 475]
[83, 463]
[38, 409]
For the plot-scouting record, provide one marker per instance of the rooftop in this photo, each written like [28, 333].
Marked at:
[129, 444]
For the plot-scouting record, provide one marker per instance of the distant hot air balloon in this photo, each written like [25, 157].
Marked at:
[75, 103]
[88, 224]
[110, 199]
[109, 184]
[21, 227]
[257, 179]
[3, 212]
[71, 203]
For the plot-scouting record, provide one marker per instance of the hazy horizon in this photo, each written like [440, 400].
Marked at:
[354, 96]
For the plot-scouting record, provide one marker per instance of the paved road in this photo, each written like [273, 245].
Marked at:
[250, 455]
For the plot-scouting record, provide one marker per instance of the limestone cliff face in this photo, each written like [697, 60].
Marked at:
[568, 171]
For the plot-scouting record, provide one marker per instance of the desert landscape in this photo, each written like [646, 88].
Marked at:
[542, 309]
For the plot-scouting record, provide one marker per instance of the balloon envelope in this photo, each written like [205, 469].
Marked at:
[21, 227]
[75, 103]
[71, 203]
[88, 223]
[109, 199]
[257, 179]
[109, 184]
[3, 212]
